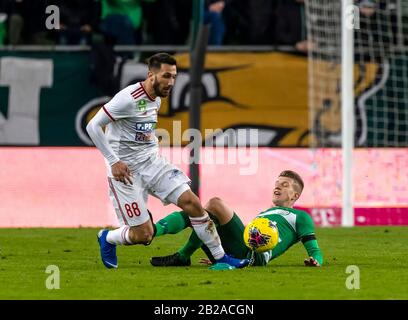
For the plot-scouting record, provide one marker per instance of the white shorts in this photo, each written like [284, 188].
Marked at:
[156, 177]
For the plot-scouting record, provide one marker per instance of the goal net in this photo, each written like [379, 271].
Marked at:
[380, 73]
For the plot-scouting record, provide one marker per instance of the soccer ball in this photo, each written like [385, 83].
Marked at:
[261, 235]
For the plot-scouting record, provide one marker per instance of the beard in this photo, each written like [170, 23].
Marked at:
[156, 88]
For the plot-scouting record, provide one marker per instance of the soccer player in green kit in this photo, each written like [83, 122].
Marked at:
[293, 226]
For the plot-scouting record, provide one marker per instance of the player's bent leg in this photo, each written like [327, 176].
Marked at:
[173, 184]
[126, 235]
[231, 239]
[173, 260]
[203, 223]
[172, 223]
[141, 234]
[190, 204]
[130, 206]
[217, 207]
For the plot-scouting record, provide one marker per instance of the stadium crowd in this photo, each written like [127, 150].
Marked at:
[158, 22]
[165, 22]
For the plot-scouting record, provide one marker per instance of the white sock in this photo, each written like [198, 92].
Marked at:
[206, 231]
[119, 236]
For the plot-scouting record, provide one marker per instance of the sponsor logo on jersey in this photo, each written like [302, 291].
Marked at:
[145, 126]
[145, 131]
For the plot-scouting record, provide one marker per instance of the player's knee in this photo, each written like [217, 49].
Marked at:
[213, 205]
[146, 238]
[140, 236]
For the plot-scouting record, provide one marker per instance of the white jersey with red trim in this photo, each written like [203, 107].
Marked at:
[131, 134]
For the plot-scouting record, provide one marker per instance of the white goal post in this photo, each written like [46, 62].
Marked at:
[349, 20]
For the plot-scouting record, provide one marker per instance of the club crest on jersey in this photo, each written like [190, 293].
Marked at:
[141, 105]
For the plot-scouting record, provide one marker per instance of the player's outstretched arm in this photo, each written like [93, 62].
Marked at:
[306, 233]
[315, 255]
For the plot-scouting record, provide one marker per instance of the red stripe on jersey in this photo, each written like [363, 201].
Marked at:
[141, 85]
[135, 93]
[108, 114]
[140, 89]
[117, 200]
[138, 95]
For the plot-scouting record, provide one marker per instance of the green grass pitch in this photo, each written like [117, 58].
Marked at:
[379, 252]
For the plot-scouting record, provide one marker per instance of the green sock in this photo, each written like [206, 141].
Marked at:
[191, 245]
[172, 223]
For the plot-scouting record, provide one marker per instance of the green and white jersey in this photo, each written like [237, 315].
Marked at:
[293, 225]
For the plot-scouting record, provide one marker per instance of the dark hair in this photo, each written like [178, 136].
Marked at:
[293, 175]
[156, 60]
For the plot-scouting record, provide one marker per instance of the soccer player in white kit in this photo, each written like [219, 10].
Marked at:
[135, 168]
